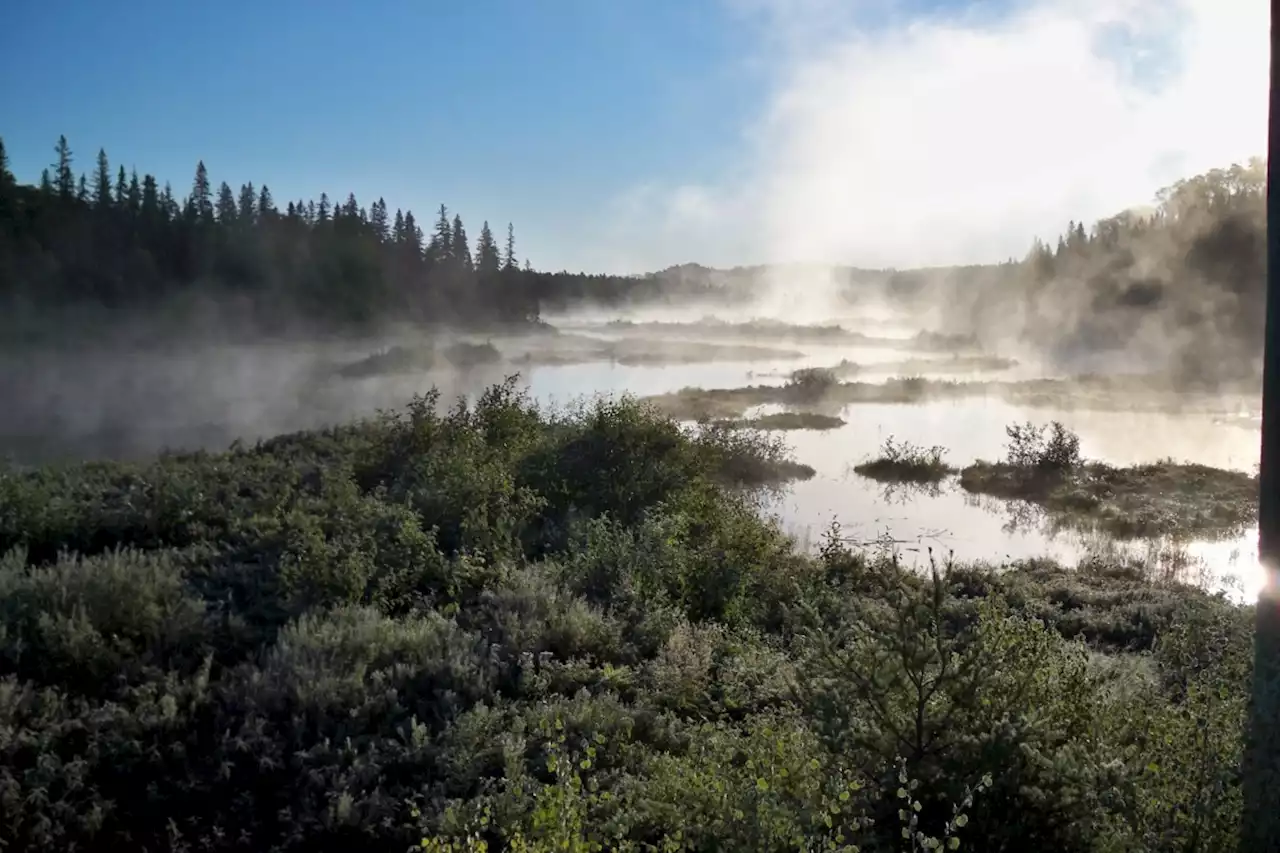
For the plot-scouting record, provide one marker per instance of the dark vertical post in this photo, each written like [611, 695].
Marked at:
[1260, 826]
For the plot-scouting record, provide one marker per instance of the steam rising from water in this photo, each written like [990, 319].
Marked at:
[893, 138]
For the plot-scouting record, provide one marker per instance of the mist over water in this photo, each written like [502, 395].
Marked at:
[132, 404]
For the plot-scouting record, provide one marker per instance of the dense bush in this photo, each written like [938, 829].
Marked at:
[494, 627]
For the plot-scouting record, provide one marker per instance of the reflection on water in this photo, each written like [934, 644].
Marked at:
[965, 527]
[132, 406]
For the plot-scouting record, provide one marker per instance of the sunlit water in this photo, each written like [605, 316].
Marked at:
[136, 406]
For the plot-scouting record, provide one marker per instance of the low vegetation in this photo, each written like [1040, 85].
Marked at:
[957, 363]
[789, 421]
[401, 359]
[501, 628]
[904, 462]
[823, 387]
[640, 352]
[1043, 466]
[711, 327]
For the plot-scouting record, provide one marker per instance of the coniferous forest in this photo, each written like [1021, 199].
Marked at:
[115, 241]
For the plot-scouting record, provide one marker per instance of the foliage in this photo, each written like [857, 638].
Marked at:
[902, 461]
[494, 627]
[1048, 448]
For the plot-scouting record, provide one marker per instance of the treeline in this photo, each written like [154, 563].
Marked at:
[1181, 284]
[124, 241]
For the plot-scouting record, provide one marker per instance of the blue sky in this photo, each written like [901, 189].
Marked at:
[535, 112]
[631, 134]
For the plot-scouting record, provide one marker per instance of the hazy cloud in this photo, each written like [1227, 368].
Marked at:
[898, 138]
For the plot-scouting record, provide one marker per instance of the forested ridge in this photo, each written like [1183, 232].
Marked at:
[1181, 284]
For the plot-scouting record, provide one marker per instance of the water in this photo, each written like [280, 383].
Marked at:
[133, 405]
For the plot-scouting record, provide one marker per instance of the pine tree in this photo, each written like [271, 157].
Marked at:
[266, 205]
[397, 233]
[412, 235]
[459, 249]
[150, 197]
[225, 209]
[441, 248]
[201, 201]
[102, 182]
[248, 203]
[122, 189]
[322, 209]
[46, 184]
[509, 254]
[351, 209]
[133, 195]
[378, 220]
[488, 262]
[6, 176]
[168, 204]
[82, 190]
[64, 180]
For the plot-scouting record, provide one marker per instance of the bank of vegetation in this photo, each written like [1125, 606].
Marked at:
[502, 628]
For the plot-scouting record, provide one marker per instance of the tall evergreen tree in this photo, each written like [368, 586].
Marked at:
[133, 195]
[6, 176]
[201, 201]
[322, 209]
[102, 182]
[459, 248]
[122, 189]
[266, 204]
[378, 220]
[248, 204]
[412, 235]
[509, 262]
[169, 204]
[64, 180]
[150, 197]
[82, 190]
[441, 248]
[488, 261]
[46, 184]
[397, 232]
[225, 209]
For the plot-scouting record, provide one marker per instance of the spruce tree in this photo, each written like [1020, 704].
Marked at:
[122, 189]
[201, 201]
[133, 194]
[266, 204]
[226, 207]
[322, 209]
[509, 254]
[6, 176]
[248, 203]
[412, 235]
[378, 220]
[397, 233]
[46, 184]
[102, 182]
[441, 248]
[460, 251]
[169, 204]
[64, 180]
[150, 197]
[82, 190]
[488, 262]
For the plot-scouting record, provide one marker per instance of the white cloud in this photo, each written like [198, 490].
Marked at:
[930, 139]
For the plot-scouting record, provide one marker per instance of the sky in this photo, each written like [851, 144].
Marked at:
[630, 135]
